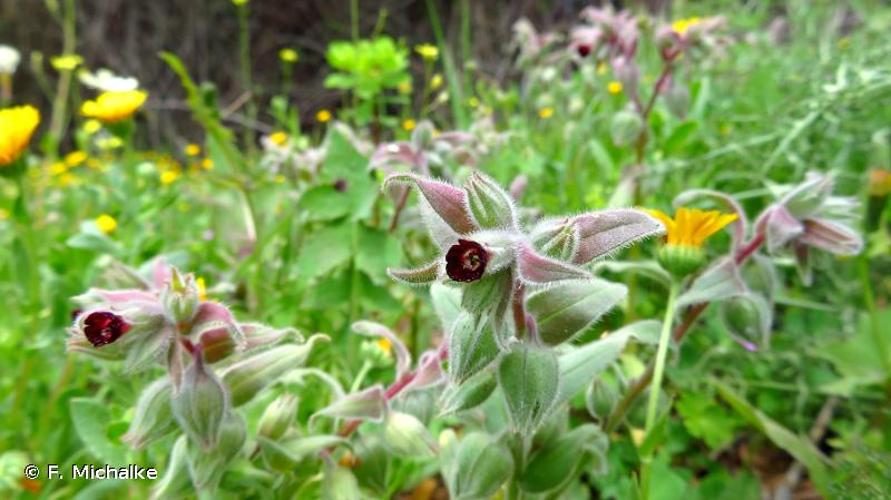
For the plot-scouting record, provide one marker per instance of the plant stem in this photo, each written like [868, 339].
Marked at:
[658, 374]
[690, 317]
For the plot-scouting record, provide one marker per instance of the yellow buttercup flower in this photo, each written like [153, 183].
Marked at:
[66, 62]
[92, 126]
[323, 116]
[289, 56]
[436, 81]
[169, 177]
[207, 164]
[408, 124]
[690, 227]
[681, 26]
[192, 150]
[112, 107]
[614, 87]
[427, 51]
[75, 158]
[17, 126]
[106, 223]
[546, 112]
[278, 138]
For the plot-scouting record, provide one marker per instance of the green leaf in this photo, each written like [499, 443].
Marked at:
[472, 346]
[377, 250]
[530, 380]
[568, 308]
[555, 463]
[798, 446]
[581, 365]
[323, 251]
[707, 420]
[344, 162]
[90, 417]
[323, 203]
[857, 358]
[681, 136]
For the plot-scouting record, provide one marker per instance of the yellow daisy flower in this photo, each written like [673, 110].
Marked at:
[408, 124]
[614, 87]
[92, 126]
[75, 158]
[278, 138]
[690, 227]
[112, 107]
[435, 81]
[546, 112]
[289, 56]
[323, 116]
[17, 125]
[192, 150]
[207, 164]
[681, 26]
[427, 51]
[106, 223]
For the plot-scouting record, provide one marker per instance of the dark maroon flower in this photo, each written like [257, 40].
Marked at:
[104, 328]
[341, 185]
[466, 261]
[583, 49]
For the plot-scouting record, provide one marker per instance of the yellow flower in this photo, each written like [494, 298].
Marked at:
[473, 102]
[436, 81]
[169, 177]
[546, 112]
[17, 125]
[323, 116]
[408, 124]
[289, 56]
[92, 126]
[404, 87]
[278, 138]
[614, 87]
[385, 345]
[58, 168]
[108, 143]
[66, 62]
[201, 285]
[207, 164]
[681, 26]
[192, 150]
[106, 223]
[427, 51]
[602, 68]
[691, 226]
[112, 107]
[75, 158]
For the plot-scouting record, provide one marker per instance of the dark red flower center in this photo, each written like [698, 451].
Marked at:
[103, 328]
[466, 261]
[583, 49]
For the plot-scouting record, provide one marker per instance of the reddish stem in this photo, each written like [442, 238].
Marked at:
[391, 392]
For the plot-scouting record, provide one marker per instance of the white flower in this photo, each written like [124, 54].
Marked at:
[9, 59]
[106, 81]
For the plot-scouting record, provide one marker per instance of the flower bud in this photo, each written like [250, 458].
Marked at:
[207, 466]
[476, 466]
[201, 403]
[681, 260]
[278, 416]
[251, 375]
[490, 205]
[677, 98]
[180, 296]
[469, 394]
[625, 127]
[153, 416]
[406, 436]
[601, 399]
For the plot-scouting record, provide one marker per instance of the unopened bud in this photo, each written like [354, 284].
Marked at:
[249, 376]
[278, 416]
[600, 399]
[626, 127]
[476, 467]
[207, 466]
[180, 296]
[491, 206]
[406, 436]
[201, 403]
[153, 416]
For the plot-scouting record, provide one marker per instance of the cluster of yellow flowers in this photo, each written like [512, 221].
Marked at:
[681, 26]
